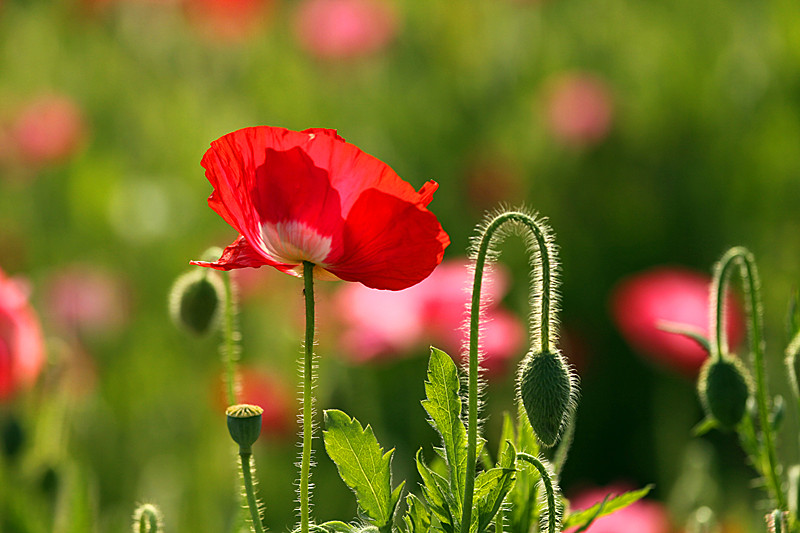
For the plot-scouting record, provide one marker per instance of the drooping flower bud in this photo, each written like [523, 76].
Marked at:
[546, 390]
[195, 301]
[244, 424]
[147, 519]
[724, 386]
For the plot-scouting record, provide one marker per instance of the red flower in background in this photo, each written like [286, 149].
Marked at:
[643, 516]
[268, 391]
[380, 325]
[676, 295]
[21, 343]
[228, 20]
[339, 29]
[48, 130]
[311, 196]
[579, 109]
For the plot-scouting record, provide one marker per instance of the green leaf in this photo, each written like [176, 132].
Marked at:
[491, 488]
[437, 494]
[690, 332]
[608, 506]
[362, 465]
[334, 526]
[417, 517]
[443, 405]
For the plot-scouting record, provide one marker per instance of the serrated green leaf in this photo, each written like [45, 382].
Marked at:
[611, 505]
[362, 465]
[491, 488]
[437, 494]
[443, 405]
[417, 517]
[523, 496]
[334, 526]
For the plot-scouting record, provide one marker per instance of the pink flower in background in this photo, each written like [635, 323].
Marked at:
[381, 325]
[48, 130]
[228, 20]
[643, 516]
[340, 29]
[677, 295]
[21, 343]
[83, 298]
[579, 109]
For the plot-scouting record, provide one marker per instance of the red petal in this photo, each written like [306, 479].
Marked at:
[389, 243]
[240, 255]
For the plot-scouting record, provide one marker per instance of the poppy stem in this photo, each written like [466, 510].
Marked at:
[246, 458]
[230, 350]
[755, 314]
[542, 312]
[308, 397]
[552, 510]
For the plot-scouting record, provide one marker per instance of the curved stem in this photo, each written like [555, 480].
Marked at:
[231, 337]
[552, 514]
[250, 493]
[308, 398]
[474, 323]
[751, 284]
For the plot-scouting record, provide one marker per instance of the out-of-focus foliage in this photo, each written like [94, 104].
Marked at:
[648, 133]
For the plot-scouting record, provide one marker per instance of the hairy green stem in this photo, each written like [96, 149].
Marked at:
[752, 287]
[552, 512]
[231, 338]
[308, 398]
[249, 490]
[474, 324]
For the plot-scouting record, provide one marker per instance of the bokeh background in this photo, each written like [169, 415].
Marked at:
[649, 134]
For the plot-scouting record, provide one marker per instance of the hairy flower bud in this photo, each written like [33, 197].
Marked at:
[195, 300]
[546, 390]
[244, 424]
[724, 387]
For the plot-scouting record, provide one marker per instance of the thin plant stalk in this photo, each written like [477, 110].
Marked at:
[245, 457]
[231, 335]
[308, 398]
[751, 283]
[552, 511]
[474, 326]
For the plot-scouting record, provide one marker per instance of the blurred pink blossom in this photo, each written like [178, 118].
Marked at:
[22, 354]
[643, 516]
[341, 29]
[86, 299]
[673, 294]
[48, 130]
[385, 325]
[579, 109]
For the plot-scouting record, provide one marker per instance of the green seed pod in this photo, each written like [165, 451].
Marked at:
[545, 388]
[196, 299]
[244, 424]
[724, 387]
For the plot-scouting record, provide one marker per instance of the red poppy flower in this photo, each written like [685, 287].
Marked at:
[21, 341]
[311, 196]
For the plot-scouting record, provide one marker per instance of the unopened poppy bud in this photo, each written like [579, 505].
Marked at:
[196, 299]
[244, 424]
[147, 519]
[545, 387]
[724, 387]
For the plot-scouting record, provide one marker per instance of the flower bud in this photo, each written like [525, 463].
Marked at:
[545, 388]
[147, 519]
[244, 424]
[724, 387]
[196, 299]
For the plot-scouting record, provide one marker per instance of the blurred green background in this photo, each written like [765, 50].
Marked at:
[689, 143]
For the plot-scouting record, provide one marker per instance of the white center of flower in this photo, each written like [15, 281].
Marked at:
[293, 242]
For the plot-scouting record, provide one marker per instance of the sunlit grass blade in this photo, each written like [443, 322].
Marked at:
[609, 506]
